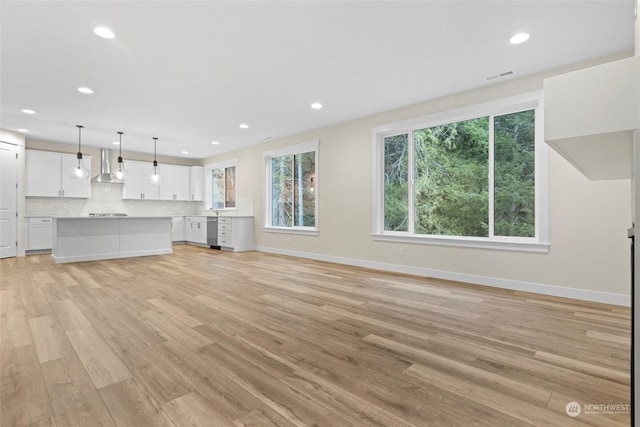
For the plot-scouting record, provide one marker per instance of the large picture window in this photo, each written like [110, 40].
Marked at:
[474, 177]
[221, 185]
[291, 177]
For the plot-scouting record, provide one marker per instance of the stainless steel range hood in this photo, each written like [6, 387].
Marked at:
[105, 169]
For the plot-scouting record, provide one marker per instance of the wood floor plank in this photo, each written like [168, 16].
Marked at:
[130, 405]
[209, 337]
[14, 329]
[176, 311]
[49, 339]
[73, 396]
[229, 397]
[102, 364]
[186, 336]
[158, 377]
[194, 410]
[70, 315]
[525, 392]
[23, 395]
[35, 303]
[489, 397]
[588, 368]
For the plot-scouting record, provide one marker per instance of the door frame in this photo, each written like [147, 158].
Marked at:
[18, 140]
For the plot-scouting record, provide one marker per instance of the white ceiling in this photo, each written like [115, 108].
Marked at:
[191, 72]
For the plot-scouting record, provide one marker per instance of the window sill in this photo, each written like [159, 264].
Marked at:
[291, 230]
[465, 242]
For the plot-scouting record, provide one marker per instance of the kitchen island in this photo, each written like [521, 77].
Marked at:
[86, 238]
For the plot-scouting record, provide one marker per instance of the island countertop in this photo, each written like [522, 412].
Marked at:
[90, 238]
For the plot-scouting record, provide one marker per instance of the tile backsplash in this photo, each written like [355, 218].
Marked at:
[108, 198]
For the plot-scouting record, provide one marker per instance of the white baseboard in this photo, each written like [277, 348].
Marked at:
[514, 285]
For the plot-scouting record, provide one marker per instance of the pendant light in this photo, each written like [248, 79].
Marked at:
[79, 171]
[121, 174]
[155, 177]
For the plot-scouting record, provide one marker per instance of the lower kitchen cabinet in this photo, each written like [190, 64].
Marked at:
[235, 233]
[178, 230]
[196, 229]
[39, 234]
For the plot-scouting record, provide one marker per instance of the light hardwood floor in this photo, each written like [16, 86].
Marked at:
[209, 338]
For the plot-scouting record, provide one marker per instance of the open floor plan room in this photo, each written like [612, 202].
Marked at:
[211, 338]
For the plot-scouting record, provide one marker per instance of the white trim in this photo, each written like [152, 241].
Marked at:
[305, 231]
[466, 242]
[514, 285]
[496, 107]
[114, 255]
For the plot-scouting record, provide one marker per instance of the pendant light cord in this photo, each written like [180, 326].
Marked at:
[79, 155]
[155, 146]
[120, 148]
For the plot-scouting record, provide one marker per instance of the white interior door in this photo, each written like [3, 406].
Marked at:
[8, 200]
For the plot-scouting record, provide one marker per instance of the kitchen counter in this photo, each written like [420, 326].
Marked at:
[85, 238]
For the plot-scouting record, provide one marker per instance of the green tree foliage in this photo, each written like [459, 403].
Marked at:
[451, 179]
[514, 174]
[304, 187]
[282, 191]
[292, 190]
[396, 183]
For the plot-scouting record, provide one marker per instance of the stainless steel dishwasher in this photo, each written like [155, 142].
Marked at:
[212, 231]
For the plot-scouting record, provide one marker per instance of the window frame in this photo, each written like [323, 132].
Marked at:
[208, 169]
[305, 147]
[539, 243]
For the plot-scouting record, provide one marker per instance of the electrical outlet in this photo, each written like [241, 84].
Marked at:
[401, 251]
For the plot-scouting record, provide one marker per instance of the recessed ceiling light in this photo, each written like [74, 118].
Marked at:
[84, 90]
[27, 111]
[519, 38]
[23, 130]
[104, 32]
[116, 143]
[316, 106]
[215, 142]
[244, 126]
[185, 152]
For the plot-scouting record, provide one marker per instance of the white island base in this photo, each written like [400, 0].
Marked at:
[95, 238]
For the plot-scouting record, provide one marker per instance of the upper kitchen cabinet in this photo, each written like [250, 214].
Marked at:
[47, 175]
[138, 185]
[175, 182]
[591, 116]
[197, 183]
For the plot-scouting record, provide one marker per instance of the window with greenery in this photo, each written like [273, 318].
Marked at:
[221, 185]
[291, 176]
[474, 178]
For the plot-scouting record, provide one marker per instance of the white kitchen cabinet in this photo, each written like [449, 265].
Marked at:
[197, 183]
[235, 233]
[39, 234]
[175, 182]
[196, 229]
[137, 186]
[48, 175]
[178, 229]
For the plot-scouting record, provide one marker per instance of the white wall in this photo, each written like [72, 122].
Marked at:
[589, 255]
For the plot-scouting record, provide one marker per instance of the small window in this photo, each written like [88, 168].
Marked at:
[291, 176]
[221, 185]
